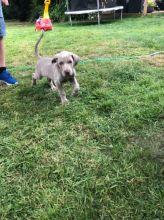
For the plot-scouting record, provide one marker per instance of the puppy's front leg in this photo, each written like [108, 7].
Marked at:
[62, 93]
[53, 86]
[75, 86]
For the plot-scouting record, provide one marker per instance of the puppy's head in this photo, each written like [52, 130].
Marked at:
[66, 61]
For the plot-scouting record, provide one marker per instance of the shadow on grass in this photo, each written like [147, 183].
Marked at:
[38, 95]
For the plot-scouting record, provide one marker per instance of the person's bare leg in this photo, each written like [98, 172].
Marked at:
[2, 53]
[5, 76]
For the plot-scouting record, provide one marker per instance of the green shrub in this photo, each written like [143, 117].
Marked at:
[24, 10]
[57, 11]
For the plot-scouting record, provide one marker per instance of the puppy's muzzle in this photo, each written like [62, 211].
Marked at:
[68, 73]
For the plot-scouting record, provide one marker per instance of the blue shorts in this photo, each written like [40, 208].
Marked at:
[2, 27]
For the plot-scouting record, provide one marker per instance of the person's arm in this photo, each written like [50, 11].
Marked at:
[5, 2]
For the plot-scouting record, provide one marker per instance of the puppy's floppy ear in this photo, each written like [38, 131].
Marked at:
[75, 58]
[55, 59]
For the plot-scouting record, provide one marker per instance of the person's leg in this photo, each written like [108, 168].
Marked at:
[2, 53]
[5, 76]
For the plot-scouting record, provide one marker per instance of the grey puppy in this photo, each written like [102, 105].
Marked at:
[58, 70]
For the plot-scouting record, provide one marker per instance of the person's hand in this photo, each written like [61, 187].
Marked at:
[5, 2]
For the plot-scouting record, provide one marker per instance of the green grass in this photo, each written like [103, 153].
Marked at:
[101, 156]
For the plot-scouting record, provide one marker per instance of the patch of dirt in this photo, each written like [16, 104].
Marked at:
[2, 86]
[157, 60]
[155, 144]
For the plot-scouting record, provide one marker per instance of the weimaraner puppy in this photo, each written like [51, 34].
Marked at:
[58, 70]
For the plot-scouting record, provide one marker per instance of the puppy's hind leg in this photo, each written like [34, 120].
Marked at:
[33, 80]
[35, 76]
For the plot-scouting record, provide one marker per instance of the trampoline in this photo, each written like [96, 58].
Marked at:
[77, 7]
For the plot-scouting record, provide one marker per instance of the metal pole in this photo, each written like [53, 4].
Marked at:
[98, 18]
[70, 19]
[67, 5]
[98, 15]
[145, 7]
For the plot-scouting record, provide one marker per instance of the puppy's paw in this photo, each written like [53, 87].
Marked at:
[65, 102]
[75, 92]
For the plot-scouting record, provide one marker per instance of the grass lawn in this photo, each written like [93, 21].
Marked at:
[101, 156]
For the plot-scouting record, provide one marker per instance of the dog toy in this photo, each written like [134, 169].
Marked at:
[44, 23]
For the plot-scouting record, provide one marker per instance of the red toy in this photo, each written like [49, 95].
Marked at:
[44, 23]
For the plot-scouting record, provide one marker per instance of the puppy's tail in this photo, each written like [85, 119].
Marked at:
[37, 44]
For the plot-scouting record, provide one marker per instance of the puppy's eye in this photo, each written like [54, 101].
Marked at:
[70, 61]
[61, 63]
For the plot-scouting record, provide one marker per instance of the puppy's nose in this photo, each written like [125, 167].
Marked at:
[67, 72]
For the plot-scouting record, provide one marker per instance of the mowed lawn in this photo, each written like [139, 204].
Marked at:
[102, 155]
